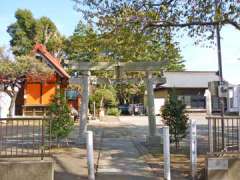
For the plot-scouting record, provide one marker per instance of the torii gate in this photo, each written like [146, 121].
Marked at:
[148, 67]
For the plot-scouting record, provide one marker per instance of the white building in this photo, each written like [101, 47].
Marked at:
[233, 98]
[5, 102]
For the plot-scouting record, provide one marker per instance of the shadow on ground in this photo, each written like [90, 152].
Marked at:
[120, 132]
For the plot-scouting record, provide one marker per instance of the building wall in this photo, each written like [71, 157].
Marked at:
[32, 94]
[192, 97]
[5, 101]
[48, 91]
[37, 93]
[163, 93]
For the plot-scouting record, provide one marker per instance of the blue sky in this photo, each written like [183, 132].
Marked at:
[61, 12]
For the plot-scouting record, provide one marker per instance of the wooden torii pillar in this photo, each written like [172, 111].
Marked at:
[148, 67]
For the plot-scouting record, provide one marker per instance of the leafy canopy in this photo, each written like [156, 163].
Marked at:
[27, 31]
[104, 97]
[21, 67]
[197, 18]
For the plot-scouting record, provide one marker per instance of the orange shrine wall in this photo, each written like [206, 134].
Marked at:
[48, 90]
[32, 94]
[35, 93]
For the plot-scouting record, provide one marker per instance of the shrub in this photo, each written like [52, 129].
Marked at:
[61, 122]
[113, 112]
[174, 116]
[104, 97]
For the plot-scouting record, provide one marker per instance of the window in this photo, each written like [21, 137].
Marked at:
[186, 100]
[197, 102]
[193, 102]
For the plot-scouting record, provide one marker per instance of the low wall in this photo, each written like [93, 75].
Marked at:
[27, 170]
[224, 168]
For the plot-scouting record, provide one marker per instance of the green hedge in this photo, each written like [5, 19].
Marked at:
[113, 112]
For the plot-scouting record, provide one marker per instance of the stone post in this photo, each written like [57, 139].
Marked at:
[150, 103]
[83, 114]
[193, 148]
[210, 124]
[166, 152]
[90, 156]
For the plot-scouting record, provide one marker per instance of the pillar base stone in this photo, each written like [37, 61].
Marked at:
[154, 141]
[81, 140]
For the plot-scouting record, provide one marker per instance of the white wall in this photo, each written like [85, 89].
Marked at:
[5, 101]
[158, 103]
[234, 94]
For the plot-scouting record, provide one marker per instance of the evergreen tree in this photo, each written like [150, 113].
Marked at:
[174, 116]
[27, 31]
[61, 123]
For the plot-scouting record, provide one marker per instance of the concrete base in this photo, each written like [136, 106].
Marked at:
[224, 168]
[154, 141]
[28, 170]
[81, 140]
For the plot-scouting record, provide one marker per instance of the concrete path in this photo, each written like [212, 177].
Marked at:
[119, 157]
[70, 164]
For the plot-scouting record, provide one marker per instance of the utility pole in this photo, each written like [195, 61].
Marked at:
[221, 82]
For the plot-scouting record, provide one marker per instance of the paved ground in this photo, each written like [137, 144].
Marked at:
[70, 164]
[119, 157]
[138, 125]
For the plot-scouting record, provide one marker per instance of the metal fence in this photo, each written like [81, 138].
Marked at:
[224, 133]
[25, 137]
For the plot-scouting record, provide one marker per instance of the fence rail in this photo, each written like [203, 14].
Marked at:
[25, 137]
[224, 133]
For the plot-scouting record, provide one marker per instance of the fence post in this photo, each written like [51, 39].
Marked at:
[42, 143]
[166, 152]
[238, 127]
[90, 156]
[193, 148]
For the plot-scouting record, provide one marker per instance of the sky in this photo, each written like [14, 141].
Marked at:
[62, 13]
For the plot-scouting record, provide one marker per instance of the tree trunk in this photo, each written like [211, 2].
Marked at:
[12, 104]
[101, 108]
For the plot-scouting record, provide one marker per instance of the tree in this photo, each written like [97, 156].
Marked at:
[197, 18]
[61, 123]
[104, 97]
[14, 72]
[123, 45]
[27, 31]
[83, 45]
[174, 116]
